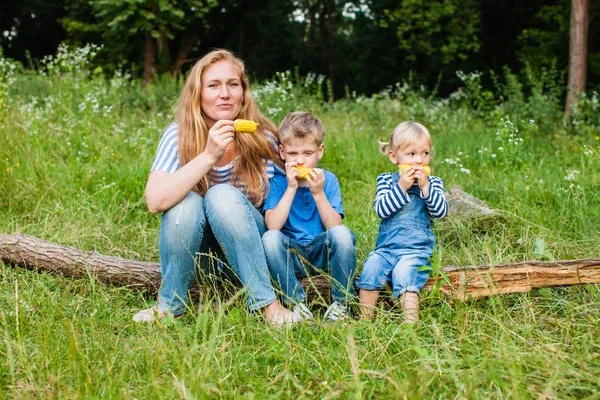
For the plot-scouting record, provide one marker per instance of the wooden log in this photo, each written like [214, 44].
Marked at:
[460, 283]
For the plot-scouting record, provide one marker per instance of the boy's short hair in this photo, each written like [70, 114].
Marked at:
[301, 124]
[406, 132]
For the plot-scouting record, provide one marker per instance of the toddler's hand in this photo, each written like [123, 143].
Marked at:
[407, 179]
[421, 176]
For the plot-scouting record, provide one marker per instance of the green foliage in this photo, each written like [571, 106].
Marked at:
[75, 152]
[442, 31]
[543, 44]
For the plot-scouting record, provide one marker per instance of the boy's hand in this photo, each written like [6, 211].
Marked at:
[292, 175]
[316, 181]
[407, 179]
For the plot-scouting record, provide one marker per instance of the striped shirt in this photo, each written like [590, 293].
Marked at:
[391, 198]
[167, 159]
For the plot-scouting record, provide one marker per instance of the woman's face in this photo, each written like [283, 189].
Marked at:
[222, 92]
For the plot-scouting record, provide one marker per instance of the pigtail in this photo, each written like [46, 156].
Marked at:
[384, 147]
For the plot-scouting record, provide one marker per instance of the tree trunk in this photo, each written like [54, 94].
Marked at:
[149, 57]
[577, 52]
[460, 283]
[188, 41]
[326, 29]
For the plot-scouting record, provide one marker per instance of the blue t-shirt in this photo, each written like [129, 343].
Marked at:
[304, 222]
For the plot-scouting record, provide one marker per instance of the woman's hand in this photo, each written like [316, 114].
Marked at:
[219, 137]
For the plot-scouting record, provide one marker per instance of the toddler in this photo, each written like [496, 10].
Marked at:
[407, 202]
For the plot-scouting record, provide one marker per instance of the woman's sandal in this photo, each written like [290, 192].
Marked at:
[149, 315]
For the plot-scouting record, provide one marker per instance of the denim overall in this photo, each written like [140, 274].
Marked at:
[402, 255]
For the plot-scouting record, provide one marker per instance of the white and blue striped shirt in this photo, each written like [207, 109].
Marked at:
[167, 159]
[390, 197]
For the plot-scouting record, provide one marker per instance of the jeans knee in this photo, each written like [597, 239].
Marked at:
[186, 218]
[273, 242]
[342, 238]
[221, 199]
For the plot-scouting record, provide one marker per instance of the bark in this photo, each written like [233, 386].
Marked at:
[149, 58]
[326, 29]
[190, 37]
[460, 283]
[577, 52]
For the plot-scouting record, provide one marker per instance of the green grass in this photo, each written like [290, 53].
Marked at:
[76, 152]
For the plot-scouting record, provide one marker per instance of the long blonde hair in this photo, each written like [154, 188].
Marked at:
[249, 167]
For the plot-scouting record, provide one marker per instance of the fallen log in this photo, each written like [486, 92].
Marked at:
[460, 283]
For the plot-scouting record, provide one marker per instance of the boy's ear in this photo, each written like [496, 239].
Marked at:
[281, 152]
[392, 157]
[320, 151]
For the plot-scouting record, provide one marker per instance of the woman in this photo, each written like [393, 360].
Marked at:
[210, 181]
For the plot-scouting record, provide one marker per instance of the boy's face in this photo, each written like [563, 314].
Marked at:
[418, 152]
[302, 151]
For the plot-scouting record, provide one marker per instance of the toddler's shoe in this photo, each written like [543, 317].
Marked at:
[336, 312]
[301, 310]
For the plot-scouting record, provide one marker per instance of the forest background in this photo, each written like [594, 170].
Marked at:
[80, 126]
[360, 47]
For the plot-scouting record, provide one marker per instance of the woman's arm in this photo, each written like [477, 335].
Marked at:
[164, 189]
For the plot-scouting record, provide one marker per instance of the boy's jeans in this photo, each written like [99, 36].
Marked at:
[330, 252]
[225, 222]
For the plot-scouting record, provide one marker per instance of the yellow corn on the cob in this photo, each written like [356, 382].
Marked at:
[303, 171]
[404, 167]
[245, 125]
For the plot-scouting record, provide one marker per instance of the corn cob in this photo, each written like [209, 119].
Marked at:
[245, 125]
[303, 171]
[404, 167]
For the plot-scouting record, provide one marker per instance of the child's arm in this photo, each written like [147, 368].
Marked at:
[276, 217]
[435, 199]
[329, 216]
[389, 197]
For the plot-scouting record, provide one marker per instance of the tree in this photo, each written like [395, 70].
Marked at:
[157, 22]
[577, 52]
[29, 28]
[435, 34]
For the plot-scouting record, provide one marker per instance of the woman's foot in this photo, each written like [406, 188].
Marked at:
[278, 315]
[149, 315]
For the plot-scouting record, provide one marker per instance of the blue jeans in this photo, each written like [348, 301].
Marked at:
[224, 222]
[409, 273]
[330, 252]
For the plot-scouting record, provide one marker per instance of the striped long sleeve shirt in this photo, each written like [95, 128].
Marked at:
[390, 197]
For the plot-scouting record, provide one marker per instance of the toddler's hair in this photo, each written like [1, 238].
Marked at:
[301, 124]
[406, 132]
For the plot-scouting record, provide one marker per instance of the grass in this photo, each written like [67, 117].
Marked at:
[76, 150]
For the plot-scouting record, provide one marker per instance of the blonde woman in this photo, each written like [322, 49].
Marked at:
[210, 182]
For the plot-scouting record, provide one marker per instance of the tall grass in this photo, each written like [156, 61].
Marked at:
[76, 148]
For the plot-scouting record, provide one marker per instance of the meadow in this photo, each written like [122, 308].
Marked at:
[75, 152]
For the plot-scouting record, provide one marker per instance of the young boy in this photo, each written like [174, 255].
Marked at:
[303, 213]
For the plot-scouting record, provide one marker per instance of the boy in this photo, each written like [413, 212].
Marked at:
[303, 213]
